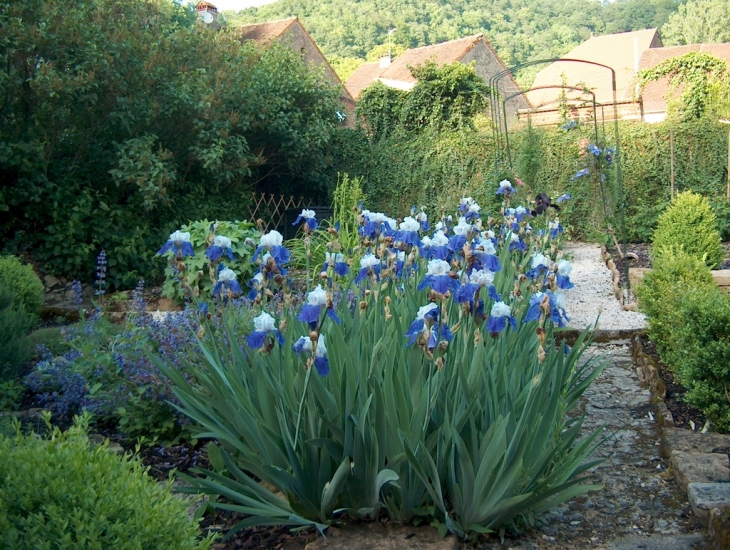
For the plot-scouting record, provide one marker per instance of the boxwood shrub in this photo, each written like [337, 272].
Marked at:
[61, 492]
[23, 283]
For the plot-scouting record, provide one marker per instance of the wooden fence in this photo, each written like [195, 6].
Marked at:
[270, 208]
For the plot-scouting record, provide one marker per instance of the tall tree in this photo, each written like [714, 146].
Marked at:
[699, 22]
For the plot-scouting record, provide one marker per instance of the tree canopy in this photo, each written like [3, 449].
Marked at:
[698, 22]
[121, 120]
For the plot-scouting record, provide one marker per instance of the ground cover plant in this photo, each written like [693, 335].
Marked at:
[418, 377]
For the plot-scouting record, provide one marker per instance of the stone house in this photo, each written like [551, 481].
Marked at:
[292, 33]
[655, 95]
[476, 48]
[621, 52]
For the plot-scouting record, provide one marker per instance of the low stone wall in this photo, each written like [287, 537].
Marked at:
[699, 461]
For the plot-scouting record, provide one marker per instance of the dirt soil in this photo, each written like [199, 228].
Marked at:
[682, 412]
[639, 255]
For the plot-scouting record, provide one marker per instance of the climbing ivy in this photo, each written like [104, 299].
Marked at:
[704, 78]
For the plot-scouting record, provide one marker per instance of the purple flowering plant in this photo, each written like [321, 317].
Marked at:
[423, 339]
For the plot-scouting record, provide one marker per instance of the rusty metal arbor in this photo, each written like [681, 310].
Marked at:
[503, 154]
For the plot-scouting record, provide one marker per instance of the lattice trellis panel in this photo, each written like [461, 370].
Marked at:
[270, 208]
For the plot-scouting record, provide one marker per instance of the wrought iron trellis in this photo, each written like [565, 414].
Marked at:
[501, 140]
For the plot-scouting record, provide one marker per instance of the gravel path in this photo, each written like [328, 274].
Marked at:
[593, 293]
[640, 506]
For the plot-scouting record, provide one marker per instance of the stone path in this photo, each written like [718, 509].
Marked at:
[641, 505]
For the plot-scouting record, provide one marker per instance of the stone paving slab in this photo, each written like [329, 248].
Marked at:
[682, 440]
[678, 542]
[703, 497]
[700, 468]
[376, 536]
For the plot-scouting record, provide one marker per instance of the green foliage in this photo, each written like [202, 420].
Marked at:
[346, 197]
[449, 96]
[689, 320]
[63, 492]
[10, 393]
[435, 168]
[380, 107]
[14, 342]
[199, 276]
[698, 22]
[23, 283]
[475, 436]
[121, 121]
[704, 79]
[344, 66]
[702, 354]
[675, 276]
[690, 225]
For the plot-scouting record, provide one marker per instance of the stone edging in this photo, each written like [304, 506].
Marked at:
[698, 461]
[616, 278]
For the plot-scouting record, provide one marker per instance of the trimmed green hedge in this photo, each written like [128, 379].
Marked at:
[63, 492]
[435, 168]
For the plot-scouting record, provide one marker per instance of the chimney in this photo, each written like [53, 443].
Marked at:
[385, 62]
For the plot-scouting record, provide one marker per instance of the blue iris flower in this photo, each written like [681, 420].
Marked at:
[180, 241]
[309, 219]
[580, 173]
[519, 244]
[221, 245]
[594, 150]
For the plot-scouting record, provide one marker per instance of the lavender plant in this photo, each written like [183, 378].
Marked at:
[429, 387]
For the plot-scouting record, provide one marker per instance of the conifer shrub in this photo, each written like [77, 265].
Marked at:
[61, 491]
[690, 224]
[23, 283]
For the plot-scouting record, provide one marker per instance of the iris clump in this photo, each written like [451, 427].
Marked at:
[440, 375]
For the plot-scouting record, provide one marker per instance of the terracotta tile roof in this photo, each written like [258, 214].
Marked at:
[618, 51]
[398, 73]
[265, 32]
[442, 54]
[362, 77]
[654, 94]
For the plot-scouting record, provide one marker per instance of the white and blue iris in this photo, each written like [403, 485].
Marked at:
[499, 316]
[377, 223]
[264, 325]
[309, 218]
[516, 243]
[337, 261]
[273, 241]
[304, 344]
[563, 276]
[221, 245]
[255, 284]
[436, 247]
[310, 312]
[556, 229]
[408, 232]
[369, 265]
[438, 277]
[181, 242]
[505, 188]
[538, 266]
[226, 282]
